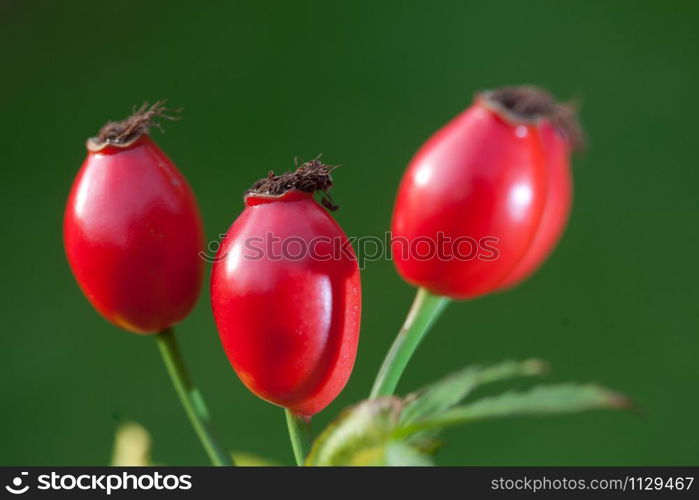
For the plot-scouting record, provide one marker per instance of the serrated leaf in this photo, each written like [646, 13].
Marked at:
[541, 400]
[394, 431]
[452, 389]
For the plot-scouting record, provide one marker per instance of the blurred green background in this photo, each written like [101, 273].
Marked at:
[364, 83]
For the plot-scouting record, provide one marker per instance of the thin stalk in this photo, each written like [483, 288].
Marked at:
[191, 398]
[300, 435]
[425, 310]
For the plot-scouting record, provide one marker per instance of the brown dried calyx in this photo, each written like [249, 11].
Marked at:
[310, 177]
[125, 132]
[531, 104]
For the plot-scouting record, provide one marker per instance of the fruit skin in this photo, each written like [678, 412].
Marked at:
[483, 175]
[559, 201]
[289, 326]
[132, 233]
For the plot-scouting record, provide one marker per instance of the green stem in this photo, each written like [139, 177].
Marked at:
[425, 310]
[190, 397]
[300, 435]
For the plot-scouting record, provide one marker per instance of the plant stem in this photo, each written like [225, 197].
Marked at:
[300, 435]
[191, 398]
[425, 310]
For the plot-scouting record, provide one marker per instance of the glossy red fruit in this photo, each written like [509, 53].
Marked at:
[132, 230]
[286, 295]
[491, 191]
[559, 199]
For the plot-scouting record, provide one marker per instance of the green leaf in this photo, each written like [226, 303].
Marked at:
[452, 389]
[541, 400]
[243, 459]
[398, 453]
[390, 453]
[394, 431]
[359, 435]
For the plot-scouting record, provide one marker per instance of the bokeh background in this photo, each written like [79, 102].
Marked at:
[364, 83]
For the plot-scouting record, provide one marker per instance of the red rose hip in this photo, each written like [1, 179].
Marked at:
[559, 199]
[491, 192]
[132, 230]
[286, 296]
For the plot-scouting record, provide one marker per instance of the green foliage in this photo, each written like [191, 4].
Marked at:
[541, 400]
[243, 459]
[359, 436]
[454, 388]
[395, 431]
